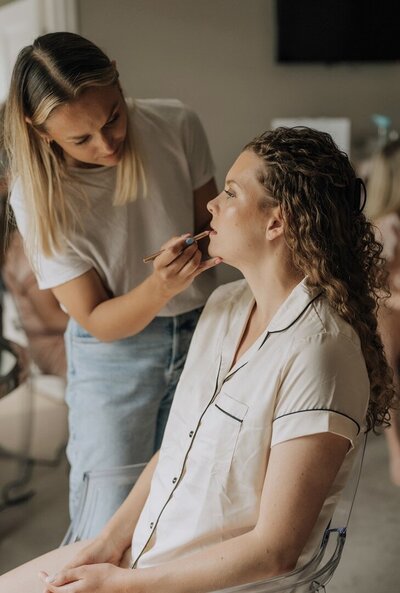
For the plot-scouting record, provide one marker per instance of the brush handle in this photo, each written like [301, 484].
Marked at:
[153, 256]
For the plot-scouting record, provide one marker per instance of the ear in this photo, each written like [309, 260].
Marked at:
[275, 224]
[114, 65]
[44, 136]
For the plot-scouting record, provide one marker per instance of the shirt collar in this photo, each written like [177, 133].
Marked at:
[288, 313]
[293, 307]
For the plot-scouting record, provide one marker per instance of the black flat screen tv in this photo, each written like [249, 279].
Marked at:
[332, 31]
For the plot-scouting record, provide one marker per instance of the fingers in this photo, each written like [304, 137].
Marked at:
[179, 263]
[207, 265]
[194, 267]
[172, 249]
[63, 577]
[177, 255]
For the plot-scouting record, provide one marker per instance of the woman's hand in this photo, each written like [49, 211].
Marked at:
[98, 551]
[99, 578]
[179, 264]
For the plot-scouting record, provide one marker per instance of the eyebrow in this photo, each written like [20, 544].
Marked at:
[113, 108]
[232, 182]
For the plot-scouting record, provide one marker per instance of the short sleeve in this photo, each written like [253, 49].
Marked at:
[49, 271]
[324, 388]
[197, 149]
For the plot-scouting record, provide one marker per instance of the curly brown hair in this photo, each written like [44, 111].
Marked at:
[330, 240]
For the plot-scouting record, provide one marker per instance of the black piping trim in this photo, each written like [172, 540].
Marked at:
[232, 373]
[277, 331]
[227, 413]
[321, 410]
[134, 563]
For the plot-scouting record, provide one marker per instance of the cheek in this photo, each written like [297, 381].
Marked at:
[121, 127]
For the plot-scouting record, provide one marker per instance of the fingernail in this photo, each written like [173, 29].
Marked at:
[50, 579]
[189, 241]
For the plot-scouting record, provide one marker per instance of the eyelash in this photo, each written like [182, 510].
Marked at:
[113, 119]
[109, 123]
[229, 193]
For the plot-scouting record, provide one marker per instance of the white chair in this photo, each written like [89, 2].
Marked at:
[13, 377]
[35, 411]
[311, 577]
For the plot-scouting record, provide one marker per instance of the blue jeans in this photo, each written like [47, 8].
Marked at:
[119, 396]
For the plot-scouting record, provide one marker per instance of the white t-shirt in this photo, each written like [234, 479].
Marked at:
[304, 375]
[114, 239]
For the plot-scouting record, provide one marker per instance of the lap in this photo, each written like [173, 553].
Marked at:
[24, 579]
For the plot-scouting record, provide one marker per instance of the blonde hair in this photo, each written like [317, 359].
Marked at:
[384, 182]
[52, 71]
[330, 240]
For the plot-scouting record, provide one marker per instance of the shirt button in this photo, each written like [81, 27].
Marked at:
[174, 480]
[151, 525]
[191, 433]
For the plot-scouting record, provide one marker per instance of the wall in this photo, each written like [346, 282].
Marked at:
[218, 56]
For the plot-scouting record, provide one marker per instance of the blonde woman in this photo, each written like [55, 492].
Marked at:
[383, 207]
[97, 183]
[285, 372]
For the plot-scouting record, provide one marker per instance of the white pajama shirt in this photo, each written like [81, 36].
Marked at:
[304, 375]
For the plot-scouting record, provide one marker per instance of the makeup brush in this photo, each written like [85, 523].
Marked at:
[153, 256]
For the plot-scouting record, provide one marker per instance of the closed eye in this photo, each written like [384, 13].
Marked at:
[229, 193]
[82, 141]
[112, 120]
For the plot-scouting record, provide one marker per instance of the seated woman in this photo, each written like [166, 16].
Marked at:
[284, 373]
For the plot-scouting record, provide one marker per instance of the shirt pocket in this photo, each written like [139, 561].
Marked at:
[218, 433]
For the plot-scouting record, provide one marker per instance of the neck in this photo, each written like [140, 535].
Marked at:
[271, 282]
[71, 162]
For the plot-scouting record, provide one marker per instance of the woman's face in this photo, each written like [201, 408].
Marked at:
[91, 129]
[239, 221]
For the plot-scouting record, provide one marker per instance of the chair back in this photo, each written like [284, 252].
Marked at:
[314, 575]
[95, 506]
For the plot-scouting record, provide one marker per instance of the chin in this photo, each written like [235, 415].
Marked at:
[110, 161]
[212, 252]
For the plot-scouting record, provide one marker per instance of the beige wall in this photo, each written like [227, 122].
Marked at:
[218, 56]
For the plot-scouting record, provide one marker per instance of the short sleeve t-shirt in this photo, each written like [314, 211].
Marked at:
[304, 375]
[114, 239]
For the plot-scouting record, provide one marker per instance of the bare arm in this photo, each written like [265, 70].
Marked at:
[47, 308]
[87, 301]
[116, 536]
[299, 476]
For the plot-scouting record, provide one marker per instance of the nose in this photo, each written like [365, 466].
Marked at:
[211, 205]
[106, 144]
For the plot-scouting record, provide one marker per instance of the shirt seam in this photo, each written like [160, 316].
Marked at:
[321, 410]
[228, 414]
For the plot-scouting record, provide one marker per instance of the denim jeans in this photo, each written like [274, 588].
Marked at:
[119, 396]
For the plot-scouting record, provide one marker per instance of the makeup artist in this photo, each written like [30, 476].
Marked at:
[98, 182]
